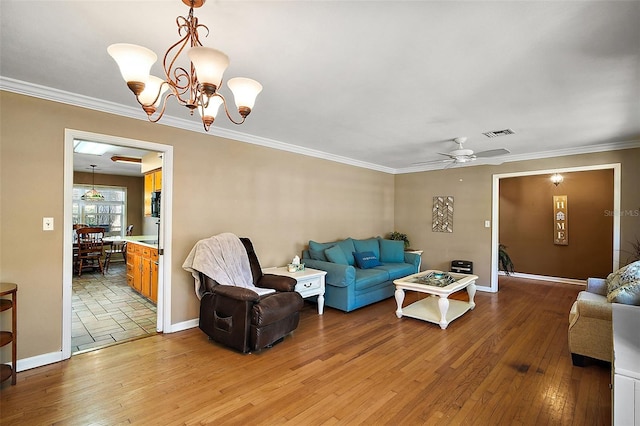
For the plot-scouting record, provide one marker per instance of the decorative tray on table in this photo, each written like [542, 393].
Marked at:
[436, 279]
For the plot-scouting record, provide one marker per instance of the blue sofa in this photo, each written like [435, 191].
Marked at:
[360, 272]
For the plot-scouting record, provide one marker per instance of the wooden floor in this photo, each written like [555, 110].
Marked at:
[504, 363]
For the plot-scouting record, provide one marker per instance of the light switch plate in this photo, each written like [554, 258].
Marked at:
[487, 224]
[47, 224]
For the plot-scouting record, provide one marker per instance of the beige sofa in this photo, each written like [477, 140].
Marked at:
[590, 327]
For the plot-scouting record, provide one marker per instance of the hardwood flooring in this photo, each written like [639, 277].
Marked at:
[504, 363]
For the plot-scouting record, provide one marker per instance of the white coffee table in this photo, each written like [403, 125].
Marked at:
[310, 282]
[437, 308]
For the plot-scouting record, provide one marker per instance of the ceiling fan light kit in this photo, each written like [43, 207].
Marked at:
[465, 155]
[196, 87]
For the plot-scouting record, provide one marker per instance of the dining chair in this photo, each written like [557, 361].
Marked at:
[116, 247]
[90, 247]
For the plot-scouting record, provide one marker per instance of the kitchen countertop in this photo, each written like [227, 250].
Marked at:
[144, 240]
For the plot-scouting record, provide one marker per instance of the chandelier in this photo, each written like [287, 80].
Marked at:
[196, 87]
[92, 194]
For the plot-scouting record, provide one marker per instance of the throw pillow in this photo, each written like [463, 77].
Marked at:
[317, 255]
[370, 244]
[336, 255]
[366, 259]
[623, 285]
[391, 251]
[347, 248]
[319, 246]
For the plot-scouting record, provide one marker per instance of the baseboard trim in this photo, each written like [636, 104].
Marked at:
[38, 361]
[53, 357]
[185, 325]
[546, 278]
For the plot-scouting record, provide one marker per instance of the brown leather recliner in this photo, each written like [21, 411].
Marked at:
[241, 319]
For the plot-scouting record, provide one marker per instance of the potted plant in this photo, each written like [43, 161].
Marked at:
[635, 251]
[504, 260]
[400, 237]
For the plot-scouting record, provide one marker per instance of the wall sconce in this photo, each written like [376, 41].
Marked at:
[557, 179]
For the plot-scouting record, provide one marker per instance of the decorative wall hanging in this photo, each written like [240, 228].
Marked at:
[442, 214]
[560, 230]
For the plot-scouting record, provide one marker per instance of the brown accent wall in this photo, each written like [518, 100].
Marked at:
[135, 194]
[527, 227]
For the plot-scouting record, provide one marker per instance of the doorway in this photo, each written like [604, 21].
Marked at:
[495, 213]
[162, 319]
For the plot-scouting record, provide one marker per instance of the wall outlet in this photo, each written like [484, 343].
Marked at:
[47, 224]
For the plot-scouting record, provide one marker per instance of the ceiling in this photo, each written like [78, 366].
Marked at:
[82, 162]
[383, 84]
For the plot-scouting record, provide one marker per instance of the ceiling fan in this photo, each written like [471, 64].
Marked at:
[464, 155]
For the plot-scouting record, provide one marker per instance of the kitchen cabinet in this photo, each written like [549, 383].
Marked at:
[142, 270]
[152, 183]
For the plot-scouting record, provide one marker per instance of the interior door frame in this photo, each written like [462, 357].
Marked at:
[495, 213]
[163, 321]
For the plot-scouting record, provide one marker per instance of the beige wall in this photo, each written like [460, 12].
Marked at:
[278, 199]
[472, 186]
[135, 194]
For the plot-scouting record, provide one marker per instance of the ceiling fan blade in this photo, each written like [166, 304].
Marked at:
[493, 153]
[423, 163]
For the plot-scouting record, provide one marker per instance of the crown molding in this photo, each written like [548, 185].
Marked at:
[530, 156]
[74, 99]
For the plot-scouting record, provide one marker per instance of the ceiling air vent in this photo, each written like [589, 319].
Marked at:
[497, 133]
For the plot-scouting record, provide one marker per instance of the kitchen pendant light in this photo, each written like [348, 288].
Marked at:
[93, 195]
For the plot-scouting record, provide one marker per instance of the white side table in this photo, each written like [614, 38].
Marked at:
[310, 282]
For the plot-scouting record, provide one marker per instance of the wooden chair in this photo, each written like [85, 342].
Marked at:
[116, 247]
[90, 248]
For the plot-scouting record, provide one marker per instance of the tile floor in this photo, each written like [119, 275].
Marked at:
[107, 311]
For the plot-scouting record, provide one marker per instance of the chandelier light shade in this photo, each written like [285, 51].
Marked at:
[195, 88]
[92, 194]
[134, 62]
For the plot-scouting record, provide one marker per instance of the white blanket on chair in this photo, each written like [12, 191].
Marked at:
[224, 259]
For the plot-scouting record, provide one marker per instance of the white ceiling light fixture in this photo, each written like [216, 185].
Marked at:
[93, 195]
[87, 147]
[196, 87]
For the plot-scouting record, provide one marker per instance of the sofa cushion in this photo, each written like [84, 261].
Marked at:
[368, 278]
[370, 244]
[366, 259]
[397, 270]
[391, 251]
[336, 255]
[623, 285]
